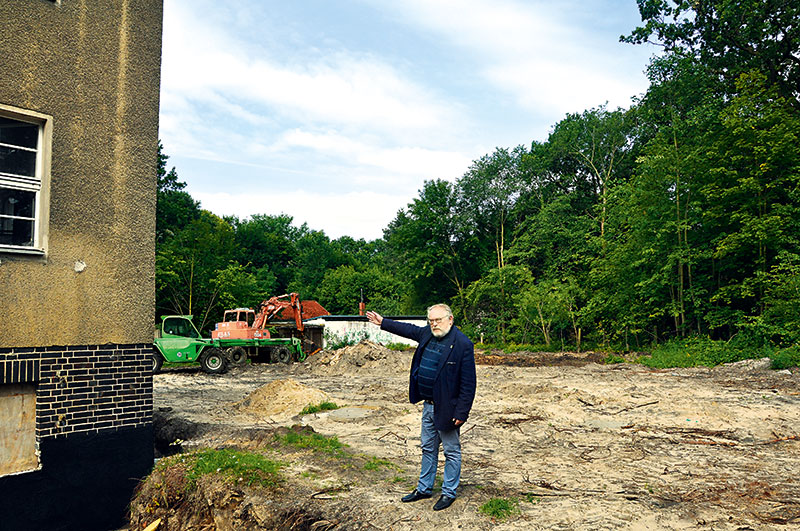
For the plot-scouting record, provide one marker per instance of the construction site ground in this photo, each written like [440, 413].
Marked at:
[571, 443]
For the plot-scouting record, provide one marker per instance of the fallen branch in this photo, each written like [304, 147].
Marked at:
[637, 406]
[779, 439]
[340, 488]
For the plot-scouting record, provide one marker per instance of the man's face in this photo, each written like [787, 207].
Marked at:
[440, 322]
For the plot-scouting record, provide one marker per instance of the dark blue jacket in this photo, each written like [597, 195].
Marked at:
[454, 387]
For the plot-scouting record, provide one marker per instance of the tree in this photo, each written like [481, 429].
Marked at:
[429, 245]
[175, 208]
[341, 289]
[730, 37]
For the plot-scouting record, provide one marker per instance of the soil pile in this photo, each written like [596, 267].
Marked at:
[365, 356]
[279, 398]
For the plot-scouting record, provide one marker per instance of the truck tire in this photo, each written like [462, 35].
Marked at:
[158, 361]
[237, 355]
[213, 361]
[283, 355]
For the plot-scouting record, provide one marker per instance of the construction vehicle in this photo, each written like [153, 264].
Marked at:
[247, 333]
[179, 342]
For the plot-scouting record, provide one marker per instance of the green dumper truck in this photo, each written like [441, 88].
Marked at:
[178, 341]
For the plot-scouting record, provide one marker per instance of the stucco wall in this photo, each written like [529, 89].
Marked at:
[95, 68]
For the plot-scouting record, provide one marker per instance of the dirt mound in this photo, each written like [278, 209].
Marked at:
[365, 355]
[279, 398]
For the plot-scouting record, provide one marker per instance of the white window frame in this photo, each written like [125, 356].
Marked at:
[40, 184]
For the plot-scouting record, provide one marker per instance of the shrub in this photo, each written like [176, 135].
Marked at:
[701, 351]
[612, 359]
[786, 358]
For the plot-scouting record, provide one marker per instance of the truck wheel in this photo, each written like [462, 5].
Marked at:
[212, 361]
[284, 356]
[158, 361]
[237, 355]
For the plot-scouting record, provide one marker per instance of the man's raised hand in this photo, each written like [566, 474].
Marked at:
[374, 318]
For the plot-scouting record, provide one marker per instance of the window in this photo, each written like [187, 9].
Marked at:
[24, 176]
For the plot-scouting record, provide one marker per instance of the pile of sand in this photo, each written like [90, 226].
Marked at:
[365, 355]
[280, 398]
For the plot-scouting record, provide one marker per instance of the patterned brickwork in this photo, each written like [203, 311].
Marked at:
[87, 388]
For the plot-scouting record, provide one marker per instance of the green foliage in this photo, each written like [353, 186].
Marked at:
[613, 359]
[499, 508]
[341, 288]
[786, 358]
[322, 406]
[252, 468]
[702, 351]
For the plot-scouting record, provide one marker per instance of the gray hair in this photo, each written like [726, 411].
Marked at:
[443, 306]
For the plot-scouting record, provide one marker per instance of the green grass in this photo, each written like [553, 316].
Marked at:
[398, 346]
[376, 464]
[252, 468]
[313, 441]
[322, 406]
[499, 508]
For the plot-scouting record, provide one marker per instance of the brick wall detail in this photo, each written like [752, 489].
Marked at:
[87, 388]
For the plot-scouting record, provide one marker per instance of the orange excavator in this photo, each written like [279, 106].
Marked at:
[246, 324]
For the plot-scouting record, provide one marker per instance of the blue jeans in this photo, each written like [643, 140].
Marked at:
[430, 439]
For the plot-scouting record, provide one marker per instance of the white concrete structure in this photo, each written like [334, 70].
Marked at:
[354, 328]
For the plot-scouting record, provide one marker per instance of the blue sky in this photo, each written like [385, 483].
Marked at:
[336, 112]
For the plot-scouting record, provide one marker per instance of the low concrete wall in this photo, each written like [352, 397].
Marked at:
[356, 328]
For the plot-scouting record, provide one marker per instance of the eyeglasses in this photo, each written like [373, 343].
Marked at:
[438, 320]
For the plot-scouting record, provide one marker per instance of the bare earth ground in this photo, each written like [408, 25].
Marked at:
[579, 444]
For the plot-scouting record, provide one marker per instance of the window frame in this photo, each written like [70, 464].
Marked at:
[40, 184]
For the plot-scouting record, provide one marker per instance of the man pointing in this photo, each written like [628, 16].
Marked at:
[443, 376]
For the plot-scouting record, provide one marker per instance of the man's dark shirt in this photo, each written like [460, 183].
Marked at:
[428, 365]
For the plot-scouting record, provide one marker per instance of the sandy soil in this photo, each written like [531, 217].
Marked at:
[579, 444]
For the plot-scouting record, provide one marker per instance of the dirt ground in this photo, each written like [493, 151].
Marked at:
[578, 444]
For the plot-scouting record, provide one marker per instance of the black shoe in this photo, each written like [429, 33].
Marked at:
[443, 503]
[414, 496]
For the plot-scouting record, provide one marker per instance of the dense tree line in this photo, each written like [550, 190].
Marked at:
[677, 217]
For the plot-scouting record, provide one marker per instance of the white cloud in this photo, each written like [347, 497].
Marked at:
[201, 64]
[359, 214]
[403, 160]
[535, 51]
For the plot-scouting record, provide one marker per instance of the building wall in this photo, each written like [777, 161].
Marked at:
[95, 68]
[76, 320]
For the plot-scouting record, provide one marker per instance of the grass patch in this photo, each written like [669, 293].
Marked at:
[499, 508]
[398, 346]
[305, 438]
[252, 468]
[398, 479]
[322, 406]
[376, 464]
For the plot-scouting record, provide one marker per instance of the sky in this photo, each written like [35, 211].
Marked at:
[337, 112]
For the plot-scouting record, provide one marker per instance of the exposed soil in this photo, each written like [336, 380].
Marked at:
[580, 445]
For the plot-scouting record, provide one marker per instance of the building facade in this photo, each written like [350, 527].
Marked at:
[79, 97]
